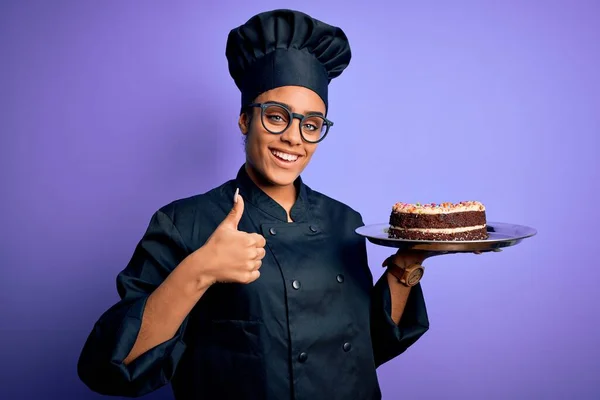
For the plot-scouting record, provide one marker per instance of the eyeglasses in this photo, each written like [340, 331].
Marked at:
[276, 118]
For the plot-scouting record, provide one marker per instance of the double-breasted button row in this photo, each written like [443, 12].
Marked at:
[302, 357]
[297, 285]
[312, 228]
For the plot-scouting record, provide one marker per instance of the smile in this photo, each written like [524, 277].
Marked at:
[284, 156]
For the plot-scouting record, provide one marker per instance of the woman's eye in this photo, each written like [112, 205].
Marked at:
[275, 118]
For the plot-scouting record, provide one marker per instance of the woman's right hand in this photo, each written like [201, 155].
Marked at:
[230, 255]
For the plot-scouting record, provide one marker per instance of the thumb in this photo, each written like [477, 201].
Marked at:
[235, 215]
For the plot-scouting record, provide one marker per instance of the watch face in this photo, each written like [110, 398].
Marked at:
[414, 277]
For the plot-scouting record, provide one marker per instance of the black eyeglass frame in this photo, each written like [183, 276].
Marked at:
[264, 106]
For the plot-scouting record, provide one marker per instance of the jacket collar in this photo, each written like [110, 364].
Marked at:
[257, 197]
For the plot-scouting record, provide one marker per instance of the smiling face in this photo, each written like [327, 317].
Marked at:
[278, 159]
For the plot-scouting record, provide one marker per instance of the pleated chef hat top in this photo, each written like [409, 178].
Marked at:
[285, 48]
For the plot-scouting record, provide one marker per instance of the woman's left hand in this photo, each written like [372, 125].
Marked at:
[404, 258]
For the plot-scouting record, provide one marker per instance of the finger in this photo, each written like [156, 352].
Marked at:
[251, 265]
[232, 219]
[260, 253]
[257, 240]
[254, 275]
[251, 276]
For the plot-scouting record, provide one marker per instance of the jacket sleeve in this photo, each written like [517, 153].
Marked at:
[389, 339]
[100, 364]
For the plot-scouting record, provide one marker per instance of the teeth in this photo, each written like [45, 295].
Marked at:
[285, 156]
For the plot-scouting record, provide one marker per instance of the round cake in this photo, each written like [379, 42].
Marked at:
[446, 221]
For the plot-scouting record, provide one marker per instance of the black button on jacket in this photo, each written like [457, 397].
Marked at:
[313, 326]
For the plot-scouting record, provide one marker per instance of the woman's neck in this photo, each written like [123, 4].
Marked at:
[285, 196]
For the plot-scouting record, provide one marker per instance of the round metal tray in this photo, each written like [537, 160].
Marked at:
[501, 235]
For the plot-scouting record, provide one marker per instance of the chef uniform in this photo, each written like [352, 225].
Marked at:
[314, 325]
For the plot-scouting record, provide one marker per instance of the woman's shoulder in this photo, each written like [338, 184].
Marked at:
[331, 206]
[199, 206]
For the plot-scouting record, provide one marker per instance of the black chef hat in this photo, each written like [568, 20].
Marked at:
[285, 47]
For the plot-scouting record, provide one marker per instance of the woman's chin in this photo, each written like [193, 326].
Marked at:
[281, 178]
[271, 175]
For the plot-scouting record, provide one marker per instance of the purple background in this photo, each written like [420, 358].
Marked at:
[109, 111]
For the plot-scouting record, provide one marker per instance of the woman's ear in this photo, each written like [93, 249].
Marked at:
[244, 123]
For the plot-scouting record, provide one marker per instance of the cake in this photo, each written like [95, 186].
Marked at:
[446, 221]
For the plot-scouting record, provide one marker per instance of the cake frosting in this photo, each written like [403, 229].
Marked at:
[434, 208]
[465, 220]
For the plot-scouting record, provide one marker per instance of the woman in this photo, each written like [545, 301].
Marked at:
[260, 288]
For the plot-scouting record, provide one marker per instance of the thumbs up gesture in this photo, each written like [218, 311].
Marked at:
[235, 256]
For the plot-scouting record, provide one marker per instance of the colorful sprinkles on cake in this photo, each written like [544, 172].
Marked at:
[430, 208]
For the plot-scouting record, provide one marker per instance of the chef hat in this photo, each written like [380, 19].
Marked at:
[282, 48]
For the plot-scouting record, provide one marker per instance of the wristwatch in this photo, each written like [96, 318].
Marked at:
[409, 276]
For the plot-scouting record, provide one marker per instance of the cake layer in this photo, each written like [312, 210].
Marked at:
[474, 233]
[438, 220]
